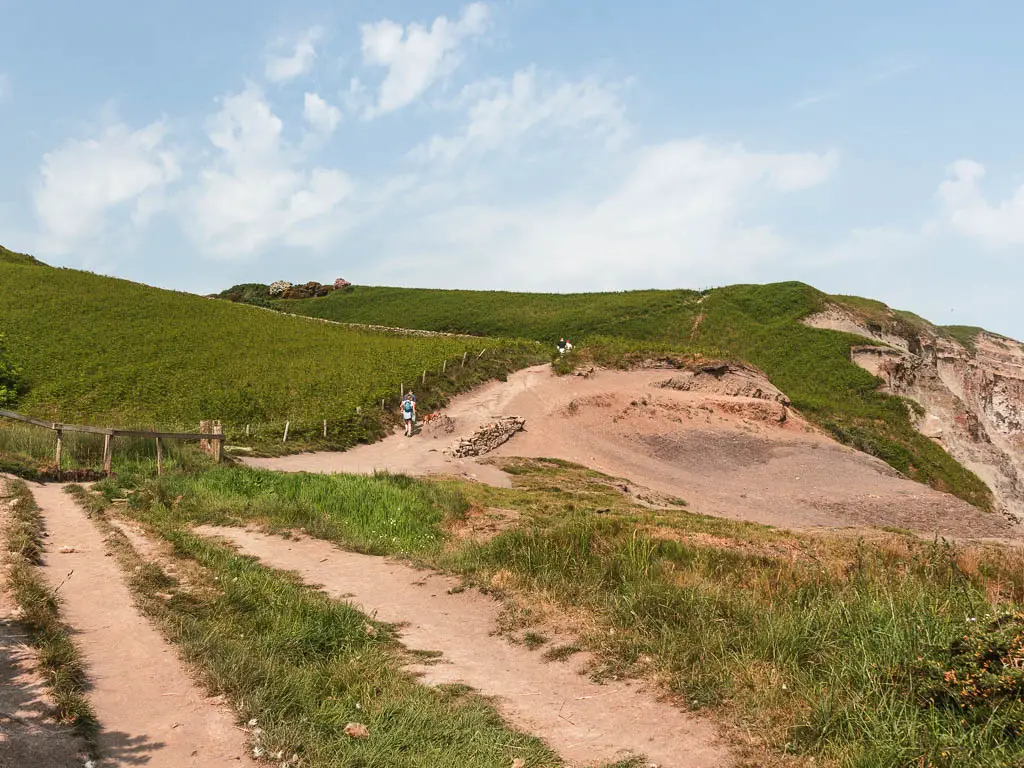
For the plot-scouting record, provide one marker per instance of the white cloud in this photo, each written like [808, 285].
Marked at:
[679, 213]
[973, 215]
[84, 179]
[257, 192]
[501, 111]
[416, 57]
[281, 68]
[323, 117]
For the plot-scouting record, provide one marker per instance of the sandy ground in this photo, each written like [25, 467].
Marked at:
[726, 456]
[150, 711]
[584, 722]
[29, 737]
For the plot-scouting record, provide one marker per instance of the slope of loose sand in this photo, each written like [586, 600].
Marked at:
[726, 456]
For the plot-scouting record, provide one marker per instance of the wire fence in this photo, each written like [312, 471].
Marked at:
[87, 446]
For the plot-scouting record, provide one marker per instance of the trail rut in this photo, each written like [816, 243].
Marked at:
[29, 737]
[150, 711]
[584, 722]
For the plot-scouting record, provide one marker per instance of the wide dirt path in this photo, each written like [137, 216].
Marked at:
[584, 722]
[150, 711]
[724, 455]
[29, 737]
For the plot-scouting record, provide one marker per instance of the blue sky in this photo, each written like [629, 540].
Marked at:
[861, 147]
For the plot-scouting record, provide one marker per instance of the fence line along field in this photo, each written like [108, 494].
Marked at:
[99, 350]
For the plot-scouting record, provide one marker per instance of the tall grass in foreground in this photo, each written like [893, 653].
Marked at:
[303, 666]
[824, 646]
[379, 514]
[59, 660]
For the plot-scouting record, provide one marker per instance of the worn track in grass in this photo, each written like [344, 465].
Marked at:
[29, 738]
[584, 722]
[150, 711]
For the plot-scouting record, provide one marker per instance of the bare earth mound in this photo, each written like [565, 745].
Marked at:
[739, 457]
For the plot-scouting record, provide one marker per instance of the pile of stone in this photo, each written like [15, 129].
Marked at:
[282, 289]
[278, 287]
[486, 439]
[310, 290]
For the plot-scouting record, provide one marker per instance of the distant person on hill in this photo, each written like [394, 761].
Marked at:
[568, 346]
[408, 413]
[561, 346]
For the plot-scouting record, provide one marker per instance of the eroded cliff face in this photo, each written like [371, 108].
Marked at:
[972, 400]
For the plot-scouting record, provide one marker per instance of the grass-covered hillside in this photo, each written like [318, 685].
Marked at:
[103, 351]
[757, 323]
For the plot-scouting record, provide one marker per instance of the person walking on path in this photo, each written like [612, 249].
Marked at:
[408, 413]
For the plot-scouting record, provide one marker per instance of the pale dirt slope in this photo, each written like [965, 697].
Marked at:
[586, 723]
[726, 456]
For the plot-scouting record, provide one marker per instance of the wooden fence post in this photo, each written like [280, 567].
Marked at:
[60, 447]
[464, 356]
[159, 457]
[481, 353]
[325, 429]
[218, 444]
[424, 378]
[205, 428]
[286, 425]
[108, 453]
[246, 430]
[444, 366]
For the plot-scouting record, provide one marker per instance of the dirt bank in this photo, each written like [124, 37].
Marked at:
[734, 457]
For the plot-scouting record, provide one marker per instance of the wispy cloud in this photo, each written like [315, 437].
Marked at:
[416, 57]
[897, 70]
[282, 67]
[816, 98]
[863, 78]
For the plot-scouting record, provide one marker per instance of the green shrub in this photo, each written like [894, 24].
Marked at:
[11, 383]
[981, 673]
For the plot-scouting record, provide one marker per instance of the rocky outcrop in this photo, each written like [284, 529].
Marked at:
[971, 400]
[487, 438]
[730, 379]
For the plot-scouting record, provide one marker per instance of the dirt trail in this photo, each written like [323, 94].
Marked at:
[727, 456]
[584, 722]
[29, 737]
[150, 711]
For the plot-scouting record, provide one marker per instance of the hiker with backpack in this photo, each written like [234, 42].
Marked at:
[409, 413]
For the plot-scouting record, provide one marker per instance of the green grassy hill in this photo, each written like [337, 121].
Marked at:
[110, 352]
[10, 257]
[756, 323]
